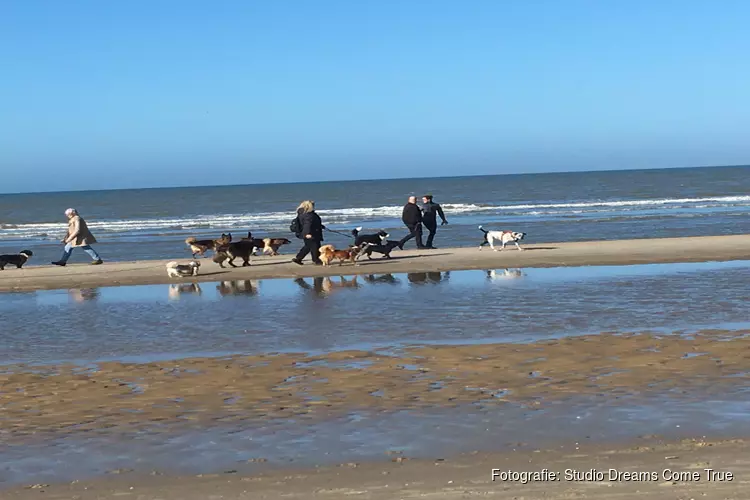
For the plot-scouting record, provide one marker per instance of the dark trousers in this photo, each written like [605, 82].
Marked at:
[311, 247]
[432, 228]
[415, 230]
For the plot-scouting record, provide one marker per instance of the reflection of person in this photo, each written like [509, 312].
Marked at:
[430, 212]
[243, 287]
[412, 219]
[311, 231]
[78, 236]
[432, 277]
[316, 288]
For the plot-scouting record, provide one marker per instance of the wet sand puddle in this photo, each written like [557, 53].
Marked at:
[341, 402]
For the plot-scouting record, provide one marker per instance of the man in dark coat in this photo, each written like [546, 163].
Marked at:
[311, 231]
[430, 212]
[412, 219]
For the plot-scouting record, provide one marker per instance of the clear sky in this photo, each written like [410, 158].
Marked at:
[97, 94]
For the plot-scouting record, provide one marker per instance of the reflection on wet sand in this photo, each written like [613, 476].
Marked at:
[493, 274]
[383, 278]
[83, 294]
[238, 287]
[177, 289]
[422, 278]
[325, 285]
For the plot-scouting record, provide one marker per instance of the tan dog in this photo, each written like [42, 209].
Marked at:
[328, 253]
[199, 247]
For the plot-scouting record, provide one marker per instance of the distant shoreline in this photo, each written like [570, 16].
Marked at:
[591, 253]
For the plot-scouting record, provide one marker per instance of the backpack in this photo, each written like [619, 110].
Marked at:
[295, 226]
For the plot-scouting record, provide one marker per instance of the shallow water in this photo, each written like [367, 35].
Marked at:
[373, 436]
[143, 323]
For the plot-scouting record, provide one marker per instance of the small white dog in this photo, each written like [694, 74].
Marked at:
[175, 270]
[504, 237]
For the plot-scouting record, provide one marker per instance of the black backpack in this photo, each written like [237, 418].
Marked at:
[295, 226]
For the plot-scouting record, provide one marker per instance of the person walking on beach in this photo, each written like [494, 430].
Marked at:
[78, 236]
[308, 227]
[430, 211]
[412, 219]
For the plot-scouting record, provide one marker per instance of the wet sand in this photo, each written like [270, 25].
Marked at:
[641, 251]
[648, 468]
[126, 397]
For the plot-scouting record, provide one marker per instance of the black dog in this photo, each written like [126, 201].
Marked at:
[242, 249]
[384, 248]
[374, 239]
[17, 260]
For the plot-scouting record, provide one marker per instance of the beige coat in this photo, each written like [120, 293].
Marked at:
[78, 232]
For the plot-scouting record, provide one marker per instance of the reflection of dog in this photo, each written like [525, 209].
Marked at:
[385, 248]
[383, 278]
[328, 253]
[375, 239]
[504, 274]
[504, 237]
[175, 289]
[329, 285]
[199, 247]
[243, 287]
[17, 260]
[175, 270]
[242, 249]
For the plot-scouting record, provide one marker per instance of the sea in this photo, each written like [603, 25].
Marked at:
[139, 224]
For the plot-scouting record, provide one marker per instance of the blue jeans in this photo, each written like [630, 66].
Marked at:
[86, 248]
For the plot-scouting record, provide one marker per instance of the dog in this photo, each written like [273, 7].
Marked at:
[242, 249]
[271, 245]
[328, 253]
[375, 239]
[175, 270]
[199, 247]
[17, 260]
[385, 248]
[268, 246]
[504, 237]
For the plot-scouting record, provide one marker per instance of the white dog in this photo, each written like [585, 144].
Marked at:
[175, 270]
[504, 237]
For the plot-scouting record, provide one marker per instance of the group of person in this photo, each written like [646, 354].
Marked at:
[309, 227]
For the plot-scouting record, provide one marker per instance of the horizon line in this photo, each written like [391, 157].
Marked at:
[277, 183]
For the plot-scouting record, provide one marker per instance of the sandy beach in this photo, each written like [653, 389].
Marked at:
[590, 253]
[648, 468]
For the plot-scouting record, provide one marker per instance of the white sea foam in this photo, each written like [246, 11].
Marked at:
[354, 215]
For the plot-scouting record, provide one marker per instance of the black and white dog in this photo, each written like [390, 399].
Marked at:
[385, 248]
[374, 239]
[17, 260]
[504, 237]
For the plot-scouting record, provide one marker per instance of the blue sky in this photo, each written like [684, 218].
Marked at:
[162, 93]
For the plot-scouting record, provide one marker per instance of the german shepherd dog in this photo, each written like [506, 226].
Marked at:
[270, 246]
[242, 249]
[199, 247]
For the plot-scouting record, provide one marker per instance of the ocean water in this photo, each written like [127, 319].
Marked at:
[153, 223]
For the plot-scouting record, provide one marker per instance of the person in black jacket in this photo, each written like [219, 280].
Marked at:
[311, 231]
[430, 211]
[412, 218]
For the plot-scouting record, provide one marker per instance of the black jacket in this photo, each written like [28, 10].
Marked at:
[430, 211]
[311, 224]
[412, 214]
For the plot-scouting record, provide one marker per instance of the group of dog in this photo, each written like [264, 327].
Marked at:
[226, 250]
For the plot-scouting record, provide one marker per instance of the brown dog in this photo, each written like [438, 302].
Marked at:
[199, 247]
[328, 253]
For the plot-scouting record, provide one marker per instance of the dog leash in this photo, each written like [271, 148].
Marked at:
[339, 232]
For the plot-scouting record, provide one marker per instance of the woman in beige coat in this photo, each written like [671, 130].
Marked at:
[78, 236]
